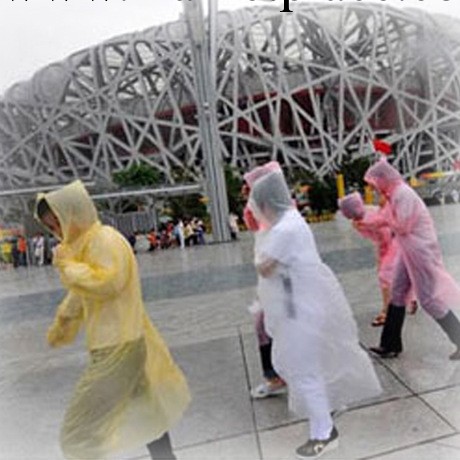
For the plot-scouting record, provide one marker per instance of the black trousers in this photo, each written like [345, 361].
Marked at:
[266, 359]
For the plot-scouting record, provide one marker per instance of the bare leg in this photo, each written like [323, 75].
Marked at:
[379, 320]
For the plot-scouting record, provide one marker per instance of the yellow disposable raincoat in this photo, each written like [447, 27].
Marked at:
[131, 391]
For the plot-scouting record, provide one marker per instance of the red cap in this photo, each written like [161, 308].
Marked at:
[382, 146]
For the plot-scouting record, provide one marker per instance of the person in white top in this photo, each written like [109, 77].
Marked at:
[39, 249]
[233, 224]
[315, 338]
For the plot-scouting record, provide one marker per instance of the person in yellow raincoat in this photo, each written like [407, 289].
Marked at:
[131, 392]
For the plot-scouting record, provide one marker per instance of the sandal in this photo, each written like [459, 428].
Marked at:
[379, 320]
[269, 388]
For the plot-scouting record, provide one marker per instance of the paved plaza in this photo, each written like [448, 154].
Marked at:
[198, 298]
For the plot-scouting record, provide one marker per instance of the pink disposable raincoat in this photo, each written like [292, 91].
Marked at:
[260, 232]
[421, 261]
[374, 226]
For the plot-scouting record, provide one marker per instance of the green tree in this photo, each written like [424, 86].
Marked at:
[323, 195]
[138, 175]
[234, 183]
[188, 206]
[353, 171]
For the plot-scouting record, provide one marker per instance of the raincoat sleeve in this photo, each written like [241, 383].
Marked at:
[404, 211]
[375, 220]
[103, 273]
[278, 245]
[372, 226]
[67, 321]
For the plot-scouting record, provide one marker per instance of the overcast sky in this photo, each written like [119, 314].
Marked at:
[34, 33]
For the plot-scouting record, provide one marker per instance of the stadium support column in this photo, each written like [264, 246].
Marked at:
[210, 142]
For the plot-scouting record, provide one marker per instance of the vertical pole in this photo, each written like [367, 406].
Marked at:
[210, 142]
[340, 186]
[368, 195]
[212, 40]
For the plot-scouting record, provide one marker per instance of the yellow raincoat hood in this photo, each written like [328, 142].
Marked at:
[74, 209]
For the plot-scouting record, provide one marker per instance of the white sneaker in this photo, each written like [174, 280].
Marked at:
[267, 389]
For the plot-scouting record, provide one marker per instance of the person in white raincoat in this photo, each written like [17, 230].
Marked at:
[131, 392]
[420, 264]
[315, 338]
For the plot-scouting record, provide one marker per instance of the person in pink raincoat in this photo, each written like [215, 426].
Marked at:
[273, 384]
[372, 223]
[419, 265]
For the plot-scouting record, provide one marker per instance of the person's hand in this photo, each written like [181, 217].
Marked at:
[57, 332]
[61, 253]
[266, 268]
[54, 335]
[357, 224]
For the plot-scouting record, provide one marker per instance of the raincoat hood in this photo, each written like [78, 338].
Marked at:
[261, 171]
[74, 209]
[352, 206]
[384, 177]
[270, 196]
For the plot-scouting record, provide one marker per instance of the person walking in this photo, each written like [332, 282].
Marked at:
[131, 392]
[315, 339]
[372, 223]
[273, 384]
[419, 265]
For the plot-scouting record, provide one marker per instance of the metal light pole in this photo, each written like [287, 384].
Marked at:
[204, 66]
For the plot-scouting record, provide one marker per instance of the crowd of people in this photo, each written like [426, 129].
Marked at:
[132, 392]
[180, 233]
[20, 251]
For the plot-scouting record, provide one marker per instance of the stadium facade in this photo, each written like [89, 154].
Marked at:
[306, 88]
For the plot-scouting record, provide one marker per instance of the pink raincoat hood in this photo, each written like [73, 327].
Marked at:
[352, 206]
[261, 171]
[384, 177]
[270, 196]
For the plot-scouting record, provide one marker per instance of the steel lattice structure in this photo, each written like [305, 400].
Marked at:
[305, 88]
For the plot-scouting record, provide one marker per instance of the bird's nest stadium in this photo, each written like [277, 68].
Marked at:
[306, 88]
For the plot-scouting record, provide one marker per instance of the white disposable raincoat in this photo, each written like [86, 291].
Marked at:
[131, 391]
[315, 339]
[421, 262]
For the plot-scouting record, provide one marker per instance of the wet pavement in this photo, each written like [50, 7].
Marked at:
[198, 298]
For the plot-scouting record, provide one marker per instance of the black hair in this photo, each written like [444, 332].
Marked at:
[43, 208]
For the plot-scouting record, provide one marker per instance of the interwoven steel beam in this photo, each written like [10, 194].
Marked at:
[305, 88]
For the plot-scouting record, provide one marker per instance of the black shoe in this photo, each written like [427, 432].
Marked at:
[384, 353]
[314, 448]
